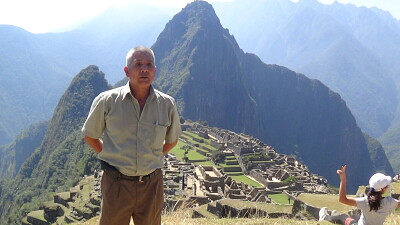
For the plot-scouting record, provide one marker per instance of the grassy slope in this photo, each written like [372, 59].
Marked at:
[181, 218]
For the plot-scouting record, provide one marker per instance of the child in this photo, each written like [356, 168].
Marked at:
[374, 208]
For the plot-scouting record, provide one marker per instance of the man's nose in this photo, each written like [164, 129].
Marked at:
[144, 68]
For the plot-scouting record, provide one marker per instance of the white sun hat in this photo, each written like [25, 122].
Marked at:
[379, 181]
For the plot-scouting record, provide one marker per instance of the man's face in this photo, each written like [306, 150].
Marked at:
[141, 71]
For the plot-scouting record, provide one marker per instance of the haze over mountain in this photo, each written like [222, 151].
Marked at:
[353, 50]
[36, 68]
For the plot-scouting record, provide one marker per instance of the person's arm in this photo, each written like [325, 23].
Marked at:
[342, 189]
[168, 146]
[95, 144]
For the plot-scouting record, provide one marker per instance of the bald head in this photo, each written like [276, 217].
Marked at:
[129, 55]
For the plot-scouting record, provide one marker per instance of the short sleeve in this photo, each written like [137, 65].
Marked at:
[393, 203]
[95, 122]
[174, 130]
[362, 203]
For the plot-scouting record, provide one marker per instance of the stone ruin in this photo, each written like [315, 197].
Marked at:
[71, 206]
[186, 184]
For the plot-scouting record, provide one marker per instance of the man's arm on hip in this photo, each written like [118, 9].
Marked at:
[168, 146]
[95, 144]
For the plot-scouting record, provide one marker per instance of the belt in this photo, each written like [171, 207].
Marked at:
[114, 173]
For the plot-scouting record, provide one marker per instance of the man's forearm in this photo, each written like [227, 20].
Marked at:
[95, 144]
[168, 146]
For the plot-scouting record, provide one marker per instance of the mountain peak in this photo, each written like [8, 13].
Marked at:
[197, 17]
[74, 105]
[193, 35]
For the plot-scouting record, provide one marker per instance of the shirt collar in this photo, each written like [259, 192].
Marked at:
[126, 90]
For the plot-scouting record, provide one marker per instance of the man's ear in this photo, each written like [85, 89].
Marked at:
[126, 70]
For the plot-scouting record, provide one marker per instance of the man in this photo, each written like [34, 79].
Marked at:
[139, 125]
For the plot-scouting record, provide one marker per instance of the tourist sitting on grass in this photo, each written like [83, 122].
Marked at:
[374, 208]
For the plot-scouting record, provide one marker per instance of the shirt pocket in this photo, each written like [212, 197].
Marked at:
[152, 135]
[160, 131]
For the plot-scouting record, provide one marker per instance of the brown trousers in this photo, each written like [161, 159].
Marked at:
[123, 199]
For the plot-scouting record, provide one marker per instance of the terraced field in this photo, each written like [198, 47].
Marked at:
[190, 144]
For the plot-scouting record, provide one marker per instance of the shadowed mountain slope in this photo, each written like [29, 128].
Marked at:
[13, 155]
[213, 80]
[350, 49]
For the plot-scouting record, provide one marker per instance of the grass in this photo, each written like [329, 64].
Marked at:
[323, 200]
[246, 180]
[38, 214]
[206, 163]
[234, 173]
[271, 208]
[177, 151]
[203, 210]
[193, 155]
[206, 143]
[83, 196]
[183, 217]
[280, 199]
[396, 186]
[230, 158]
[224, 165]
[176, 219]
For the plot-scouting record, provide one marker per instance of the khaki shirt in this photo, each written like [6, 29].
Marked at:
[133, 141]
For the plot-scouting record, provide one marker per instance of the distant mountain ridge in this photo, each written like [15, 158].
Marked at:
[350, 49]
[13, 155]
[353, 50]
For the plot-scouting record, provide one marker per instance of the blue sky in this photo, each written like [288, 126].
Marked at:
[40, 16]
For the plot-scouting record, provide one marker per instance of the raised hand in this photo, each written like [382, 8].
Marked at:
[342, 172]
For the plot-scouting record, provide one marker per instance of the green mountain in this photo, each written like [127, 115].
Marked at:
[391, 142]
[62, 157]
[378, 156]
[213, 80]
